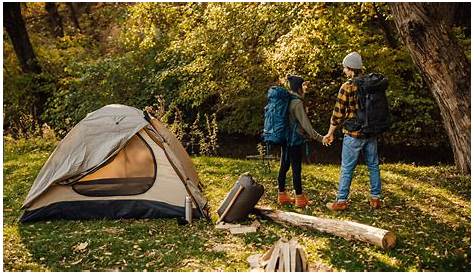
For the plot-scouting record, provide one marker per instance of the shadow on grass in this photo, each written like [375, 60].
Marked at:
[123, 245]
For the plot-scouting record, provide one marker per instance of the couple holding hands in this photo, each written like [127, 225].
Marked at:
[353, 144]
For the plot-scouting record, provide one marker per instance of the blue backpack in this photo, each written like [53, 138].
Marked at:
[275, 127]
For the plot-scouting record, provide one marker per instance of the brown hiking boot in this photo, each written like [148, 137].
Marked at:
[337, 206]
[302, 201]
[375, 203]
[284, 199]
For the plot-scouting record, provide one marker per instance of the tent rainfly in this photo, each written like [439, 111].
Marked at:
[118, 162]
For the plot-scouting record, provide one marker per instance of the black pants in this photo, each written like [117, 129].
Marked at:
[290, 156]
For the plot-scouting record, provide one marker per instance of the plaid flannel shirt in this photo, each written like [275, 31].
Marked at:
[346, 107]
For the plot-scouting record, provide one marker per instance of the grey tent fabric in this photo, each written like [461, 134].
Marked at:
[96, 138]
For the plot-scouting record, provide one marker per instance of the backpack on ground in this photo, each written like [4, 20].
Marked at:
[240, 200]
[275, 128]
[373, 115]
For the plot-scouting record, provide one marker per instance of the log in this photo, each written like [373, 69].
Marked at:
[346, 229]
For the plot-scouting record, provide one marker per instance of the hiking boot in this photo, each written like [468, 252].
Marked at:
[284, 199]
[375, 203]
[302, 201]
[337, 206]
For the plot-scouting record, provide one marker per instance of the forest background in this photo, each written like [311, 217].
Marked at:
[208, 67]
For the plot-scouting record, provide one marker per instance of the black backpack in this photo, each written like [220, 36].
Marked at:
[373, 115]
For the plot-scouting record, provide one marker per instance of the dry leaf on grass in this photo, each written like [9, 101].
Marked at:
[81, 247]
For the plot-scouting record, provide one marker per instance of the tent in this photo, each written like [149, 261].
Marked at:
[118, 162]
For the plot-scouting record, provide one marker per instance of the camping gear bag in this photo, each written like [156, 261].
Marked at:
[275, 126]
[373, 115]
[241, 199]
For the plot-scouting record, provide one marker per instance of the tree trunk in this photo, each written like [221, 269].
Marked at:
[386, 26]
[73, 15]
[16, 29]
[346, 229]
[444, 67]
[54, 19]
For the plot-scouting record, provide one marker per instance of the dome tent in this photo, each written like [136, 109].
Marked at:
[118, 162]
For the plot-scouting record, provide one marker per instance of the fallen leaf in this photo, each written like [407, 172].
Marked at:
[81, 247]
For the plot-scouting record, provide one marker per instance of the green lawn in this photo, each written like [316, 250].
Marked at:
[428, 208]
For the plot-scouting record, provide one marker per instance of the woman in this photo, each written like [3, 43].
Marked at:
[291, 153]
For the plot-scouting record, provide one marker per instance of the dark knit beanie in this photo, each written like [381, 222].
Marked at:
[295, 82]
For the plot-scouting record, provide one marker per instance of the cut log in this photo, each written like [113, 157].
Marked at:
[223, 225]
[281, 260]
[243, 230]
[346, 229]
[285, 250]
[293, 244]
[272, 263]
[283, 256]
[304, 260]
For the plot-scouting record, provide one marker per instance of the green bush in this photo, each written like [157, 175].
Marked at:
[220, 58]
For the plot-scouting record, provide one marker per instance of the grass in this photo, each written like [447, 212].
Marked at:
[428, 208]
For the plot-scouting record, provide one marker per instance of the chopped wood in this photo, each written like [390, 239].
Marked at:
[281, 267]
[266, 257]
[238, 228]
[304, 261]
[223, 225]
[273, 259]
[293, 244]
[243, 230]
[285, 248]
[346, 229]
[254, 261]
[283, 256]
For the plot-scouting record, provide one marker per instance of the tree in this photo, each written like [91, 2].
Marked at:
[73, 15]
[16, 29]
[426, 31]
[54, 19]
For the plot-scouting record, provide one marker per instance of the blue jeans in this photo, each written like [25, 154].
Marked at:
[351, 148]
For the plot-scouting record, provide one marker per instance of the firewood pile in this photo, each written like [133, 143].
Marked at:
[283, 256]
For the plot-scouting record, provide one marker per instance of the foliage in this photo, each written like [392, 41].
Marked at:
[428, 208]
[220, 58]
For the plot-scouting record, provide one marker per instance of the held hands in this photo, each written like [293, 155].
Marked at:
[328, 139]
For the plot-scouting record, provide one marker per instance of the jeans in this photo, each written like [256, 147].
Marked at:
[351, 148]
[290, 155]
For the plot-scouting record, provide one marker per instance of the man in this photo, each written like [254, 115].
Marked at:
[354, 141]
[292, 151]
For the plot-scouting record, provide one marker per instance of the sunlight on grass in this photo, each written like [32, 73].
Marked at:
[384, 258]
[429, 199]
[428, 208]
[16, 256]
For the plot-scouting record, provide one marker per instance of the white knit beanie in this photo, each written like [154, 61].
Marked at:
[352, 60]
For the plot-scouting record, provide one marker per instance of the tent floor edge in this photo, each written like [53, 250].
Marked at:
[106, 209]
